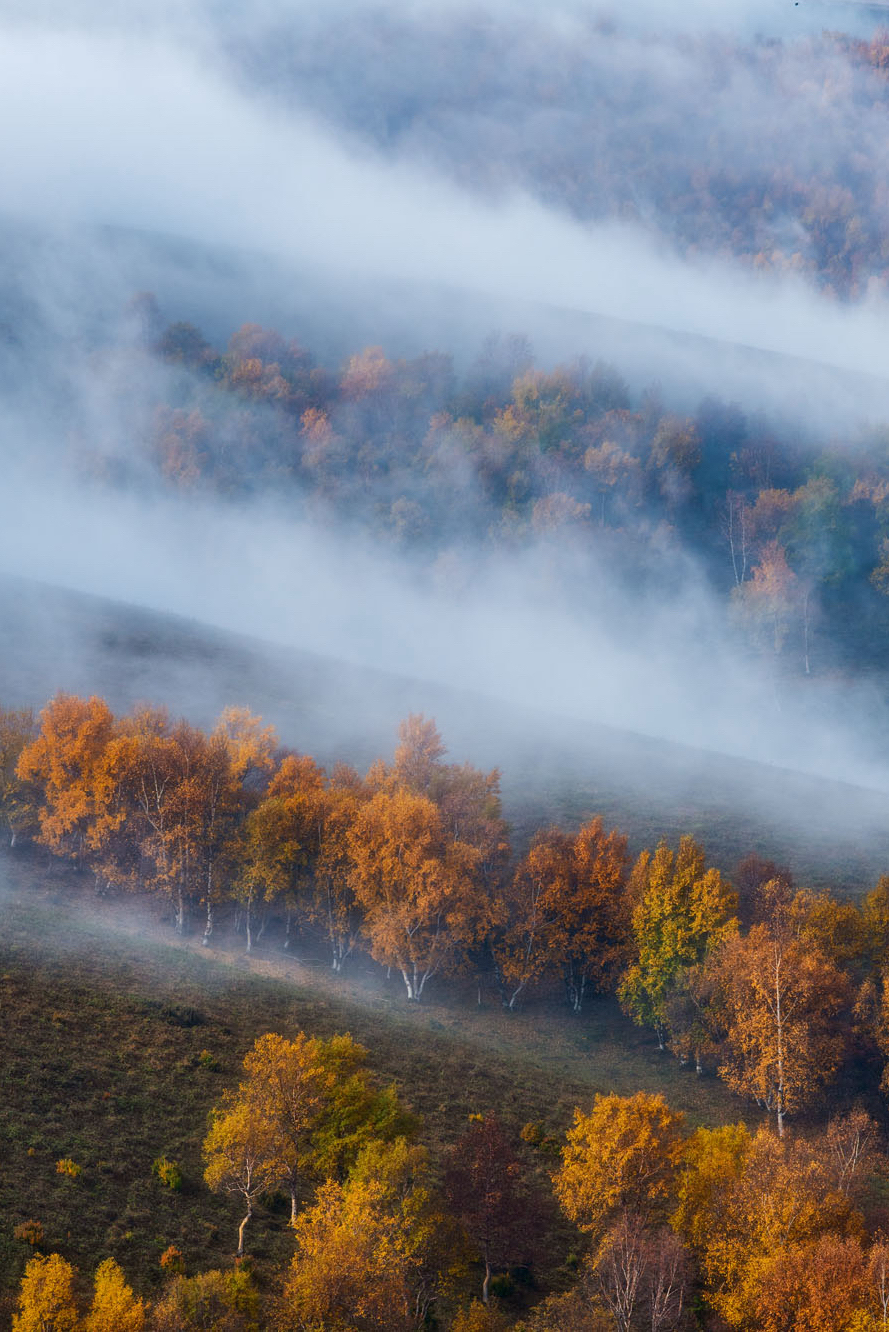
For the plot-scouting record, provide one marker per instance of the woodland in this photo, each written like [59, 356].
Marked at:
[294, 1047]
[791, 532]
[773, 1221]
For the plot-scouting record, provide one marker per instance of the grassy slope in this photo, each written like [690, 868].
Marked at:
[97, 1066]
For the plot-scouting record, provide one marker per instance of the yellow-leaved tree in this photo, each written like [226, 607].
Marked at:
[47, 1300]
[623, 1155]
[304, 1111]
[749, 1203]
[683, 911]
[114, 1308]
[376, 1252]
[240, 1155]
[416, 885]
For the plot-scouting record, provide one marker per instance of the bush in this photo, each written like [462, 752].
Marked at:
[171, 1260]
[30, 1231]
[168, 1173]
[68, 1167]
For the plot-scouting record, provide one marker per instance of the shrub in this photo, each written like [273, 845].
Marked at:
[68, 1167]
[168, 1173]
[171, 1260]
[30, 1231]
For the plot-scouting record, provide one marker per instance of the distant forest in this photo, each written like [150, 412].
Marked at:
[793, 538]
[757, 149]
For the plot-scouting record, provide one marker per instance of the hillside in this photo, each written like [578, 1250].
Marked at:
[116, 1042]
[555, 769]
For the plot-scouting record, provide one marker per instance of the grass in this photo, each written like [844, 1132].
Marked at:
[116, 1041]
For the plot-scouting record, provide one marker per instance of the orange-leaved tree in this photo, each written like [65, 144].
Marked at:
[784, 1003]
[416, 885]
[568, 911]
[66, 762]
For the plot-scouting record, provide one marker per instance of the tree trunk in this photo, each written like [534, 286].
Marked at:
[208, 927]
[180, 911]
[241, 1228]
[289, 925]
[293, 1206]
[248, 923]
[486, 1283]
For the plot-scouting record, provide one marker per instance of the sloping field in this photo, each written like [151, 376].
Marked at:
[116, 1041]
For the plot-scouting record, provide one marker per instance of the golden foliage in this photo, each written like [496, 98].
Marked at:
[46, 1300]
[624, 1154]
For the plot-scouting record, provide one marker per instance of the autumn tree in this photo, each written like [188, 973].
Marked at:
[355, 1113]
[770, 598]
[208, 1302]
[298, 849]
[66, 764]
[305, 1109]
[415, 884]
[569, 911]
[265, 856]
[486, 1186]
[331, 905]
[822, 1286]
[374, 1253]
[783, 1002]
[683, 911]
[182, 794]
[467, 798]
[114, 1307]
[744, 1202]
[623, 1155]
[240, 1154]
[854, 1148]
[613, 471]
[479, 1317]
[18, 729]
[285, 1087]
[643, 1276]
[47, 1301]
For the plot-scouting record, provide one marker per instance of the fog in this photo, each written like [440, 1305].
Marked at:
[154, 155]
[141, 134]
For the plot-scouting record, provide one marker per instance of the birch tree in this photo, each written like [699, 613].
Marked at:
[783, 1001]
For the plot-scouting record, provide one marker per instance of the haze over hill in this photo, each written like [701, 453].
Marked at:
[235, 144]
[555, 767]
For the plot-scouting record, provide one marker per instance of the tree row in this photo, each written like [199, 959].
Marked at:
[776, 988]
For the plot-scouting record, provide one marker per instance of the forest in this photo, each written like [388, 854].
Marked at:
[791, 533]
[762, 148]
[776, 990]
